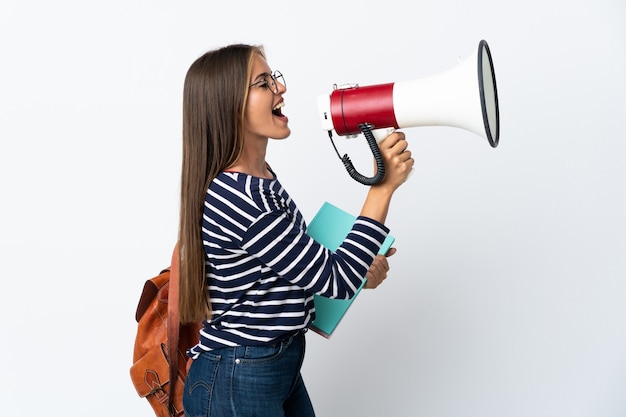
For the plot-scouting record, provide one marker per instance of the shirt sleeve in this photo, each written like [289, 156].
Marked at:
[284, 246]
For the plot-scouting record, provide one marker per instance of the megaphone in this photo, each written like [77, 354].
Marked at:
[465, 97]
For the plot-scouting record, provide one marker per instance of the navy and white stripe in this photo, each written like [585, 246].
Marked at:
[263, 268]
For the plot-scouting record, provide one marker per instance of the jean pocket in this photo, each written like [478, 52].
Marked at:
[262, 354]
[200, 384]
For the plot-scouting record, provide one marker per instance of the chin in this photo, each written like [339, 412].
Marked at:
[283, 135]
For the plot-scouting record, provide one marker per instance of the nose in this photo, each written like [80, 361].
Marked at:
[280, 87]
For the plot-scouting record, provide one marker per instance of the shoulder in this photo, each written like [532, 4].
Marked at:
[243, 192]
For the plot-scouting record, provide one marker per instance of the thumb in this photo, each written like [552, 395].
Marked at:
[390, 252]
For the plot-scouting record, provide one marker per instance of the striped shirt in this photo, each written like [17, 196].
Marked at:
[263, 268]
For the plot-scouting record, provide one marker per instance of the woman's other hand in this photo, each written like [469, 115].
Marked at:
[378, 270]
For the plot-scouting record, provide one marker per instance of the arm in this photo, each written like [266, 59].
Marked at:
[398, 165]
[286, 248]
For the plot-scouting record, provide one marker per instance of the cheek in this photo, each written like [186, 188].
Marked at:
[254, 109]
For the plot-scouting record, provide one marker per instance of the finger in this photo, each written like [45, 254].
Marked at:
[391, 252]
[400, 144]
[383, 264]
[375, 269]
[374, 277]
[405, 156]
[380, 262]
[393, 139]
[371, 282]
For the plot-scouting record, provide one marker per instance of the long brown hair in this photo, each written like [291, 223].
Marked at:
[214, 99]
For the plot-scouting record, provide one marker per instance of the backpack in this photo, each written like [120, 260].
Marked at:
[159, 338]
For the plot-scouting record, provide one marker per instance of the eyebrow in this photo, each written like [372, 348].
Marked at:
[262, 75]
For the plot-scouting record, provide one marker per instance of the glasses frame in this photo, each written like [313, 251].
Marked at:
[272, 82]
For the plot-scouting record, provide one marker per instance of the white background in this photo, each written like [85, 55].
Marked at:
[507, 296]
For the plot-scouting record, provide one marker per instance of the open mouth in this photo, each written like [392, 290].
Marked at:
[277, 111]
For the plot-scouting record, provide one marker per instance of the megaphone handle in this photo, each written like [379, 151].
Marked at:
[381, 134]
[380, 164]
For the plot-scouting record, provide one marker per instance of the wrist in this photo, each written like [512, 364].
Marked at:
[377, 203]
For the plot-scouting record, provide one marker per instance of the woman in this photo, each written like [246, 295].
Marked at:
[255, 290]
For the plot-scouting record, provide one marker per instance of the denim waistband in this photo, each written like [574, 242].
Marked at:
[292, 334]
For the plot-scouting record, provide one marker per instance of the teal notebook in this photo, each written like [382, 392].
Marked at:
[330, 226]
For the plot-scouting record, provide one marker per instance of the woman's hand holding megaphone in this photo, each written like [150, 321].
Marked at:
[398, 162]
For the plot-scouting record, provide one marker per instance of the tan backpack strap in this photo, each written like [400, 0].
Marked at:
[173, 326]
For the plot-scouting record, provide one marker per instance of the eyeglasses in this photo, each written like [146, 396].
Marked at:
[270, 81]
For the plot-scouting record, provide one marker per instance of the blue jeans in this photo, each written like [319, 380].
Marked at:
[249, 381]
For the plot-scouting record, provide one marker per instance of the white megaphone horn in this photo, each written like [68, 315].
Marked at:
[464, 96]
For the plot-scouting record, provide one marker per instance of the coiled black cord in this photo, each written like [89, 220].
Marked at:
[366, 128]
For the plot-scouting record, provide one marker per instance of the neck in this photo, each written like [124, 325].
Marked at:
[252, 160]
